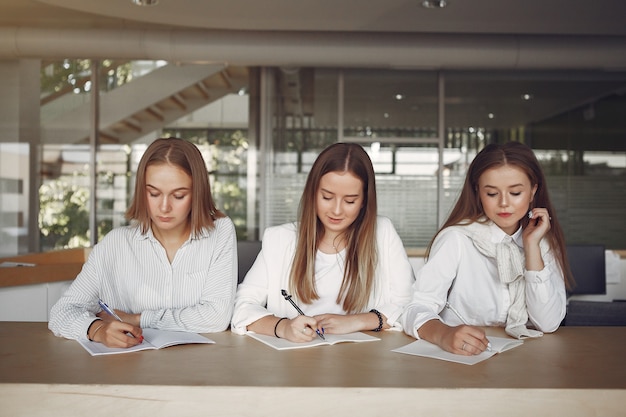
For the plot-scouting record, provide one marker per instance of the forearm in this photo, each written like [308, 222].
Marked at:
[372, 321]
[533, 259]
[268, 325]
[545, 300]
[433, 331]
[206, 317]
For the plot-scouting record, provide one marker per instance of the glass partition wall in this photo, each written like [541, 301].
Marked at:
[261, 133]
[422, 130]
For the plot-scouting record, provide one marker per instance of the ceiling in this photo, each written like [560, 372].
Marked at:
[528, 17]
[579, 36]
[400, 34]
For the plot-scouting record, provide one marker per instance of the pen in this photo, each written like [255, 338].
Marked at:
[112, 313]
[456, 313]
[288, 298]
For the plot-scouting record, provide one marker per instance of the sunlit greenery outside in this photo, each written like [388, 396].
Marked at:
[74, 76]
[64, 211]
[63, 216]
[225, 153]
[64, 201]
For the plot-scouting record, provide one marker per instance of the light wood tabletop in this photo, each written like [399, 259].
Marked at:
[573, 367]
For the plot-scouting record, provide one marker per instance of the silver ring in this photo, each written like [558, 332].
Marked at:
[463, 347]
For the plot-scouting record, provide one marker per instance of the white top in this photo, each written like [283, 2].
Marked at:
[130, 271]
[259, 294]
[457, 273]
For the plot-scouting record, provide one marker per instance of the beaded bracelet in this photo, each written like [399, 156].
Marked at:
[380, 320]
[276, 326]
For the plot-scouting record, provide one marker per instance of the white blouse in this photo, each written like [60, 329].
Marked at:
[458, 285]
[259, 294]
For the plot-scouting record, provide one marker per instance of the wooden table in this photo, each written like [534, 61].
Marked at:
[577, 371]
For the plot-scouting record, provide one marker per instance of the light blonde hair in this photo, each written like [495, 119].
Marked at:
[361, 252]
[186, 156]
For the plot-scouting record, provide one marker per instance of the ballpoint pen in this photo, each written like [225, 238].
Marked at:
[112, 313]
[288, 298]
[456, 313]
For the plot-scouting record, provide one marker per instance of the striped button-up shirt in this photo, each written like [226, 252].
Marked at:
[130, 271]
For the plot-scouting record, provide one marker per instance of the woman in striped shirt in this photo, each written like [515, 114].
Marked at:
[173, 268]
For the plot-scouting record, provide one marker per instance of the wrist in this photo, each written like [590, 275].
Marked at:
[379, 320]
[93, 328]
[276, 331]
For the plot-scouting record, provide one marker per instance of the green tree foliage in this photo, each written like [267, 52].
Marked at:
[225, 152]
[63, 215]
[74, 75]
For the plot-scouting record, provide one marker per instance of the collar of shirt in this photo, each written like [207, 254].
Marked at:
[204, 233]
[498, 235]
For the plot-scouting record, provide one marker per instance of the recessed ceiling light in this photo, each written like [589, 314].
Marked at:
[527, 96]
[434, 4]
[145, 2]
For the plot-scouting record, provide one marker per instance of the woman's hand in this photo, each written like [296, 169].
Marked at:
[115, 334]
[532, 234]
[537, 227]
[299, 329]
[350, 323]
[461, 340]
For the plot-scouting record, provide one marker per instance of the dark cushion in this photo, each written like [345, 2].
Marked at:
[595, 313]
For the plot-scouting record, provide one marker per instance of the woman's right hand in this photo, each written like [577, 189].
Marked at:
[461, 340]
[115, 334]
[298, 329]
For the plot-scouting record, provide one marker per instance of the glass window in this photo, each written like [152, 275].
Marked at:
[573, 121]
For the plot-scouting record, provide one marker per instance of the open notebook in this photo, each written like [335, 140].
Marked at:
[331, 339]
[430, 350]
[152, 339]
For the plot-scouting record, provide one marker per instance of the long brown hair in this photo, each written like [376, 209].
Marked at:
[186, 156]
[361, 254]
[469, 206]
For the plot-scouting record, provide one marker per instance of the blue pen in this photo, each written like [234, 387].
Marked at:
[112, 313]
[288, 298]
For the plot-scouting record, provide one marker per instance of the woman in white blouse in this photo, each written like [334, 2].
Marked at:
[344, 266]
[173, 268]
[498, 260]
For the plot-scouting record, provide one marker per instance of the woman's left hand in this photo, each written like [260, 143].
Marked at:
[350, 323]
[537, 227]
[337, 323]
[532, 234]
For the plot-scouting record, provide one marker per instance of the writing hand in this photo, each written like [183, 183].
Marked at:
[465, 340]
[461, 340]
[300, 329]
[115, 334]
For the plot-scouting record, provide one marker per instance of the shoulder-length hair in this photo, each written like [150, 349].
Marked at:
[186, 156]
[361, 253]
[469, 206]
